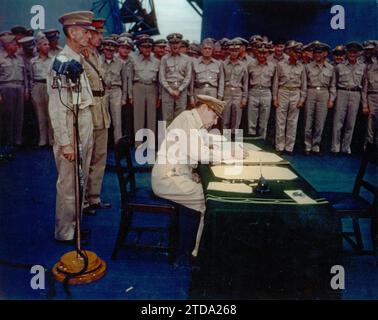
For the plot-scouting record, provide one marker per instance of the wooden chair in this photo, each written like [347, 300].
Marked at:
[136, 200]
[354, 206]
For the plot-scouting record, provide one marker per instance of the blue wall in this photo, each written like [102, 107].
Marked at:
[302, 20]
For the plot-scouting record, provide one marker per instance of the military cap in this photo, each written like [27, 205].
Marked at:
[185, 43]
[52, 34]
[40, 38]
[353, 46]
[339, 50]
[109, 44]
[307, 47]
[7, 38]
[224, 42]
[78, 18]
[255, 38]
[139, 36]
[174, 37]
[214, 104]
[27, 42]
[99, 23]
[369, 44]
[146, 41]
[126, 34]
[265, 39]
[264, 46]
[160, 43]
[30, 32]
[4, 33]
[234, 44]
[114, 36]
[318, 46]
[279, 41]
[19, 30]
[194, 48]
[243, 41]
[125, 41]
[209, 40]
[292, 44]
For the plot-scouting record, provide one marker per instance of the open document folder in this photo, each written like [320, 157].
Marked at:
[256, 157]
[252, 172]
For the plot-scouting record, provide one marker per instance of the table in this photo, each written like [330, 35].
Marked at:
[266, 245]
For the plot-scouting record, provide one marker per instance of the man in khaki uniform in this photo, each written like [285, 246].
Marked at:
[101, 120]
[174, 179]
[175, 76]
[235, 87]
[53, 36]
[338, 55]
[307, 55]
[261, 73]
[115, 77]
[13, 93]
[39, 69]
[370, 97]
[144, 92]
[159, 48]
[243, 55]
[321, 92]
[349, 76]
[278, 52]
[289, 94]
[76, 26]
[208, 76]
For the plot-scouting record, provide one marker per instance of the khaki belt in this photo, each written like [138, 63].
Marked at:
[40, 81]
[355, 89]
[260, 87]
[113, 87]
[98, 93]
[290, 88]
[205, 85]
[318, 88]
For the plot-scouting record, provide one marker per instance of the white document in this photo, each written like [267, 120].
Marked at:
[230, 187]
[250, 146]
[300, 197]
[256, 157]
[252, 172]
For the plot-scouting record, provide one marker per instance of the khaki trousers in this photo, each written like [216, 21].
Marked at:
[232, 111]
[113, 99]
[373, 115]
[171, 107]
[259, 103]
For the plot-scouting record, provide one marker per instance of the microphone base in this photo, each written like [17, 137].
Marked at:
[72, 262]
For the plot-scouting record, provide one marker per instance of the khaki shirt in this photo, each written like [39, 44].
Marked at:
[40, 67]
[349, 76]
[210, 73]
[247, 59]
[321, 76]
[12, 68]
[144, 71]
[99, 108]
[236, 76]
[261, 75]
[275, 60]
[115, 74]
[175, 72]
[290, 76]
[54, 52]
[370, 81]
[57, 110]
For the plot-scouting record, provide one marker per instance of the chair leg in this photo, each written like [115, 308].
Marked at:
[173, 237]
[357, 232]
[122, 232]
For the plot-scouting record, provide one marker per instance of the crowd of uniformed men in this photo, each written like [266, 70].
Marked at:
[131, 78]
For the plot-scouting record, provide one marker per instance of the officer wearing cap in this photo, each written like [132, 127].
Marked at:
[208, 76]
[53, 36]
[370, 52]
[13, 92]
[217, 51]
[235, 87]
[76, 27]
[116, 81]
[349, 76]
[100, 117]
[19, 32]
[175, 179]
[224, 44]
[321, 92]
[194, 51]
[261, 73]
[370, 97]
[243, 55]
[144, 88]
[175, 76]
[159, 48]
[278, 52]
[253, 41]
[289, 94]
[306, 56]
[39, 70]
[338, 55]
[184, 46]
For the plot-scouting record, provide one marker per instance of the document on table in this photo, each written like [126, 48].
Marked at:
[300, 197]
[252, 172]
[256, 157]
[230, 187]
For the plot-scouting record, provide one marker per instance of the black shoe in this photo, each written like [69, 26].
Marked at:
[307, 153]
[280, 152]
[101, 205]
[89, 211]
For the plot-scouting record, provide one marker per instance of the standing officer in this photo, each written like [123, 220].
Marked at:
[208, 76]
[278, 53]
[243, 55]
[235, 87]
[53, 36]
[306, 56]
[13, 93]
[144, 93]
[115, 77]
[159, 48]
[349, 76]
[100, 117]
[289, 94]
[261, 73]
[370, 52]
[76, 26]
[321, 92]
[370, 98]
[175, 76]
[39, 69]
[338, 55]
